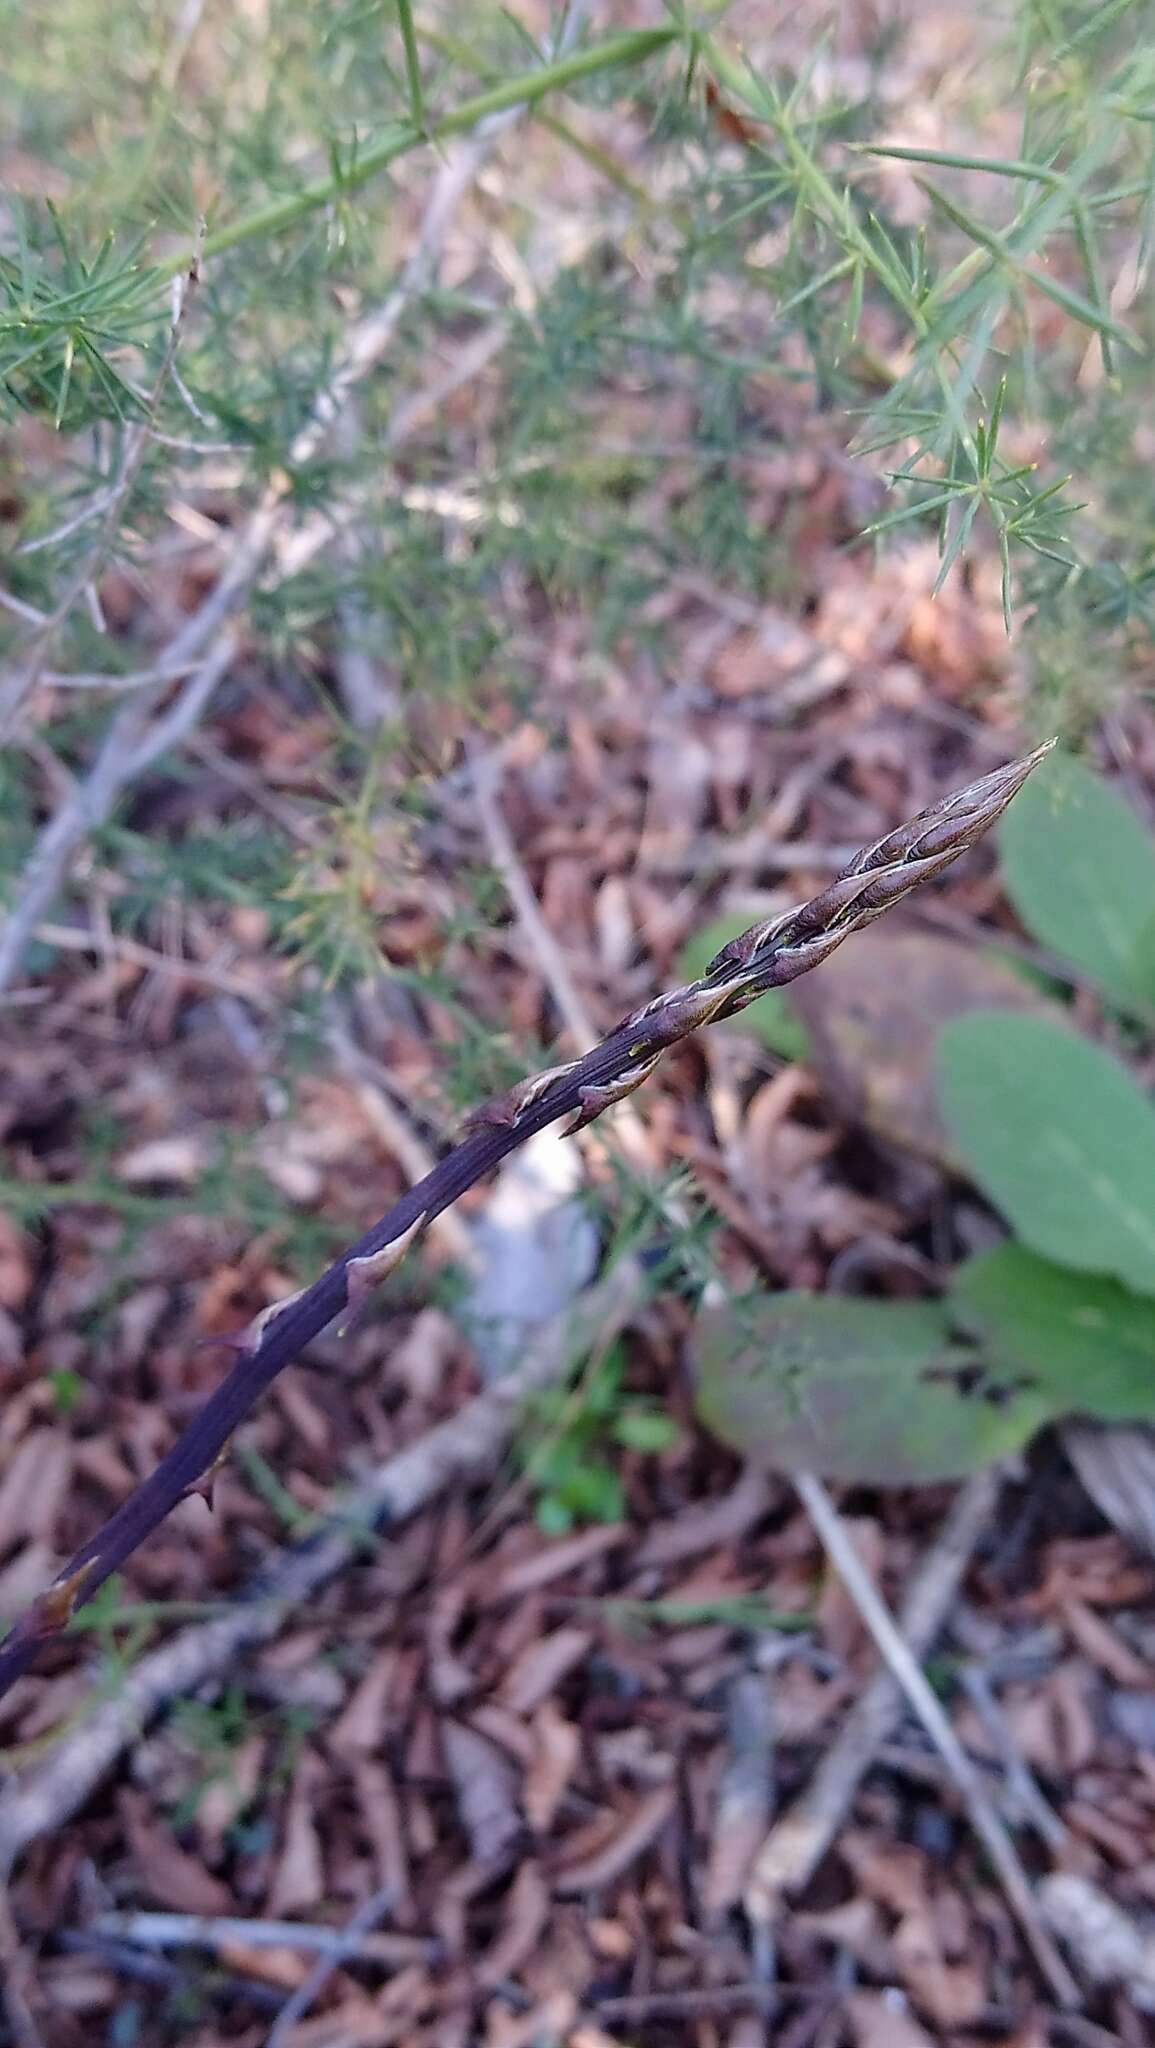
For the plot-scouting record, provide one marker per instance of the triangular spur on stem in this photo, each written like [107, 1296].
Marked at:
[364, 1274]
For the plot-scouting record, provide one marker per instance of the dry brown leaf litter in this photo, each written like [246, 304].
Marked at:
[564, 1809]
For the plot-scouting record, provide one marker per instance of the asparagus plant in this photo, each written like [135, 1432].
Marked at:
[770, 953]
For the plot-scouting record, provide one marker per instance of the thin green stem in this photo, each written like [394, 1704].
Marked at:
[527, 88]
[412, 65]
[1002, 167]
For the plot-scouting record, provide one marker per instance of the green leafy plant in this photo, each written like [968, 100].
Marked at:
[571, 1433]
[1058, 1135]
[1079, 866]
[1084, 132]
[1060, 1138]
[65, 319]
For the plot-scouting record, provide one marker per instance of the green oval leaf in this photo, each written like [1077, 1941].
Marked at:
[1088, 1344]
[644, 1429]
[771, 1017]
[1058, 1136]
[1079, 867]
[872, 1391]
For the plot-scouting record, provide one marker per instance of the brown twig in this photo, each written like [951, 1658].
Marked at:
[503, 853]
[131, 743]
[767, 956]
[627, 1124]
[72, 939]
[345, 1947]
[802, 1835]
[1023, 1799]
[202, 1930]
[983, 1816]
[636, 2008]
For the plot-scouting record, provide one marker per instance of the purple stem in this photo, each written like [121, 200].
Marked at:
[285, 1338]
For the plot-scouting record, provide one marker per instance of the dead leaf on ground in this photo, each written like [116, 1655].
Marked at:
[549, 1561]
[17, 1271]
[34, 1486]
[175, 1161]
[882, 2019]
[713, 1523]
[839, 1619]
[557, 1748]
[541, 1666]
[742, 1809]
[484, 1785]
[1104, 1646]
[1110, 1945]
[166, 1873]
[360, 1727]
[549, 2020]
[629, 1834]
[228, 1792]
[299, 1878]
[952, 1994]
[949, 1988]
[522, 1923]
[284, 1967]
[380, 1814]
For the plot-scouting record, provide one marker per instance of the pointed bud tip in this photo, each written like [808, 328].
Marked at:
[983, 800]
[1016, 772]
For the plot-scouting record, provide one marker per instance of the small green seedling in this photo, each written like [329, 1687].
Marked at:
[567, 1450]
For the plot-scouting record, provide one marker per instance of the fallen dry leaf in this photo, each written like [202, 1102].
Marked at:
[1105, 1646]
[882, 2019]
[360, 1727]
[299, 1876]
[557, 1748]
[484, 1786]
[839, 1620]
[379, 1812]
[176, 1161]
[550, 2019]
[550, 1561]
[629, 1835]
[742, 1809]
[284, 1967]
[873, 1017]
[34, 1486]
[165, 1872]
[1111, 1946]
[228, 1792]
[950, 1994]
[523, 1919]
[714, 1523]
[17, 1272]
[541, 1667]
